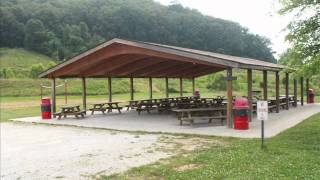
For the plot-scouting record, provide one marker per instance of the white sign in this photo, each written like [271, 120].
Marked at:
[262, 110]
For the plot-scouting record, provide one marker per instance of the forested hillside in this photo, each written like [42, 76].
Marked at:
[63, 28]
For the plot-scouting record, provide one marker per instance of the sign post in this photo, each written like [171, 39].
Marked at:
[262, 113]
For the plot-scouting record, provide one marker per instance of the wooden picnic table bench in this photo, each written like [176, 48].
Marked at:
[106, 106]
[132, 104]
[113, 105]
[190, 115]
[98, 107]
[70, 110]
[145, 105]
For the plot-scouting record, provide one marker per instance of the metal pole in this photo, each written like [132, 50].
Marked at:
[262, 134]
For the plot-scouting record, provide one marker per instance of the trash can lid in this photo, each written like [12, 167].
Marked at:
[241, 103]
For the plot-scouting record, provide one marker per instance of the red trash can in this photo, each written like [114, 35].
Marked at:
[45, 108]
[197, 94]
[240, 109]
[311, 96]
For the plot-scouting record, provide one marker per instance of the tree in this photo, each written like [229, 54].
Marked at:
[36, 69]
[304, 35]
[61, 29]
[37, 37]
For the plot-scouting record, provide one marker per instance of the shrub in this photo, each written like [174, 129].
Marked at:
[36, 69]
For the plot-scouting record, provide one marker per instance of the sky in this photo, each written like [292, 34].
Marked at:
[259, 16]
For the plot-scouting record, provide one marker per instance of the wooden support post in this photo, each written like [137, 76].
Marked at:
[307, 89]
[249, 81]
[193, 86]
[167, 87]
[131, 89]
[84, 94]
[277, 92]
[65, 92]
[301, 90]
[295, 92]
[287, 91]
[229, 98]
[110, 89]
[150, 87]
[265, 85]
[181, 87]
[54, 105]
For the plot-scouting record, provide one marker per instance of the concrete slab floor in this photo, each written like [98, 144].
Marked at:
[168, 123]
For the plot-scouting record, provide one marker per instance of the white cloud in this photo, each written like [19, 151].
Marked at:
[259, 16]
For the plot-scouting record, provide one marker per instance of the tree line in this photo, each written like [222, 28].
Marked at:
[61, 29]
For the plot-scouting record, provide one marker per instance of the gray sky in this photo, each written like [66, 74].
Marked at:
[259, 16]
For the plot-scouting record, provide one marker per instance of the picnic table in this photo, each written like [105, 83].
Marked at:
[70, 110]
[113, 105]
[132, 104]
[190, 115]
[145, 105]
[106, 106]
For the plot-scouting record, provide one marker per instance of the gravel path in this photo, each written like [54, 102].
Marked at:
[49, 152]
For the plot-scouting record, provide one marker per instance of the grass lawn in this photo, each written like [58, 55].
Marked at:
[293, 154]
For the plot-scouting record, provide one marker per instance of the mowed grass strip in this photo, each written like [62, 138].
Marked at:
[293, 154]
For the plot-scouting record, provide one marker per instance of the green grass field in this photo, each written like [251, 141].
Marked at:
[20, 60]
[293, 154]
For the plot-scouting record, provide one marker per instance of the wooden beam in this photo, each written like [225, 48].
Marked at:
[150, 87]
[131, 89]
[192, 71]
[229, 98]
[130, 68]
[176, 70]
[287, 91]
[169, 67]
[307, 89]
[295, 92]
[181, 87]
[301, 90]
[206, 71]
[193, 85]
[265, 85]
[54, 105]
[110, 89]
[277, 92]
[84, 94]
[148, 70]
[167, 87]
[249, 81]
[110, 65]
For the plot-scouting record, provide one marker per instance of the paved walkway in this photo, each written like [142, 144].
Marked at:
[154, 122]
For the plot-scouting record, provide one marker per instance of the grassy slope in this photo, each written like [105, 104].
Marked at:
[21, 59]
[294, 154]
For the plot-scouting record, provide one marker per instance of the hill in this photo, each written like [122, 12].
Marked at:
[20, 60]
[61, 29]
